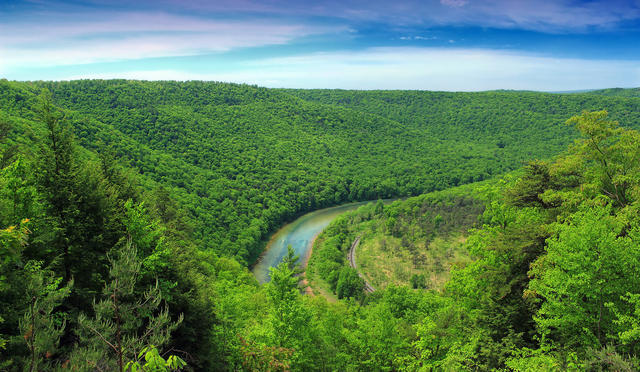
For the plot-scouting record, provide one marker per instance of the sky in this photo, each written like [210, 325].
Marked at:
[450, 45]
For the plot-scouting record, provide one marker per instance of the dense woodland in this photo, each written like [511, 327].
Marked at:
[130, 212]
[242, 160]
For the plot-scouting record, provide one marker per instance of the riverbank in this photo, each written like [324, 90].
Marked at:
[300, 235]
[317, 284]
[304, 262]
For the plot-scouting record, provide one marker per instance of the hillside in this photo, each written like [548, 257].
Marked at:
[121, 203]
[547, 281]
[618, 92]
[242, 160]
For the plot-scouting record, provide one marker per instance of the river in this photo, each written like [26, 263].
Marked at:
[299, 234]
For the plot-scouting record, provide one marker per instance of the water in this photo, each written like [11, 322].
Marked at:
[299, 234]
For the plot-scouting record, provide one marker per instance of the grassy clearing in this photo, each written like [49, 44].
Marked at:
[385, 260]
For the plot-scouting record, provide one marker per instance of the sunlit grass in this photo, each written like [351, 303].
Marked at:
[383, 259]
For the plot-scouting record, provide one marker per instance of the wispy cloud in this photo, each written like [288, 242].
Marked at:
[418, 37]
[415, 68]
[454, 3]
[551, 16]
[558, 16]
[542, 15]
[538, 15]
[136, 35]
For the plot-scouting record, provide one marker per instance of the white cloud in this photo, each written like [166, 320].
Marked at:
[418, 37]
[454, 3]
[415, 68]
[540, 15]
[125, 36]
[134, 47]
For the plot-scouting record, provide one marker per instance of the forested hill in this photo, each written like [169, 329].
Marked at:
[501, 114]
[618, 92]
[121, 203]
[242, 160]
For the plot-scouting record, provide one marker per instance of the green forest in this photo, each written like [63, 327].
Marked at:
[131, 212]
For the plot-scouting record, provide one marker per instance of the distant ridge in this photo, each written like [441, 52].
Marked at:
[618, 92]
[573, 91]
[613, 92]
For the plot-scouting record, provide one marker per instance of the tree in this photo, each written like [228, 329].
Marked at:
[528, 189]
[587, 266]
[41, 327]
[12, 288]
[57, 173]
[379, 208]
[9, 152]
[29, 289]
[18, 196]
[291, 260]
[291, 329]
[154, 362]
[350, 284]
[124, 323]
[614, 150]
[418, 281]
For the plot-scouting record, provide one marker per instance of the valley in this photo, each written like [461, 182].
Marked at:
[499, 229]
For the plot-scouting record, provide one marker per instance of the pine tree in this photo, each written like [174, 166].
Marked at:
[29, 289]
[125, 322]
[57, 173]
[41, 327]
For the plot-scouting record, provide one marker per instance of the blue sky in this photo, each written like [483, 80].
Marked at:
[455, 45]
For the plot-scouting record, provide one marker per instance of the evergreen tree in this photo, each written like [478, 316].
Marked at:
[291, 260]
[57, 177]
[41, 327]
[125, 323]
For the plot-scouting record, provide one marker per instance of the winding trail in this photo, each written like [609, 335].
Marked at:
[352, 261]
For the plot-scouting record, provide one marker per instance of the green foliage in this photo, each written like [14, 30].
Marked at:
[418, 281]
[154, 362]
[291, 260]
[615, 152]
[608, 359]
[290, 323]
[541, 359]
[552, 284]
[31, 297]
[401, 242]
[124, 324]
[198, 174]
[349, 284]
[18, 195]
[628, 321]
[587, 266]
[41, 326]
[617, 92]
[242, 160]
